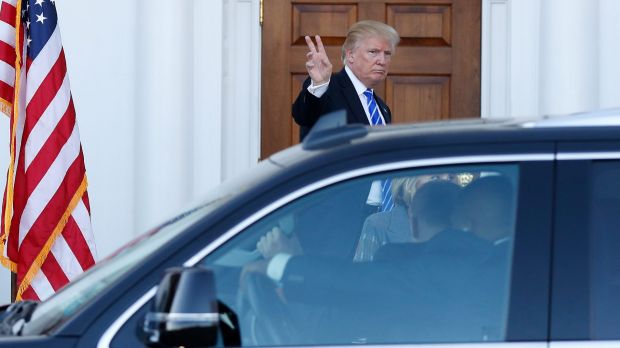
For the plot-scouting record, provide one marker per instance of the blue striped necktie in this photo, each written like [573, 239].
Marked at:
[376, 120]
[373, 109]
[386, 191]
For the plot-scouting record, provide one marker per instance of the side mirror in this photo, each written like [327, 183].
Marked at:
[185, 310]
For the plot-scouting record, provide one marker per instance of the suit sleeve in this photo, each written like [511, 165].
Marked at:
[306, 106]
[336, 282]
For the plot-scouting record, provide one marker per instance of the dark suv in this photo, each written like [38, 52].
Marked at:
[524, 248]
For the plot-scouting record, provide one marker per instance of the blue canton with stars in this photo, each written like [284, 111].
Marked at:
[39, 18]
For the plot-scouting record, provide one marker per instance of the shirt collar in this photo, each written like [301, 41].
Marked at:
[359, 86]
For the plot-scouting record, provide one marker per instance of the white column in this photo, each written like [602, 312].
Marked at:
[164, 138]
[609, 69]
[495, 96]
[241, 83]
[525, 57]
[510, 58]
[208, 85]
[569, 56]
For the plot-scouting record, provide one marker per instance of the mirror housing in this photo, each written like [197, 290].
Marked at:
[184, 311]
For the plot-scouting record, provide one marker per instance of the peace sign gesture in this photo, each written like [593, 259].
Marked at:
[317, 63]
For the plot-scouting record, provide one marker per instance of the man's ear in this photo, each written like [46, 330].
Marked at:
[349, 55]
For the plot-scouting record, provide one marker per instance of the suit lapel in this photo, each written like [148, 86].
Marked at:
[353, 100]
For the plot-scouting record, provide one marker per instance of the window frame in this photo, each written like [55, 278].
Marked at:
[571, 273]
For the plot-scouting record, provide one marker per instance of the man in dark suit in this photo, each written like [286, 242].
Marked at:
[366, 54]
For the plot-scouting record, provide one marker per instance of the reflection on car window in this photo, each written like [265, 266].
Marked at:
[330, 268]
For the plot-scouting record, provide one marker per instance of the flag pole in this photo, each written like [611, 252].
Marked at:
[13, 286]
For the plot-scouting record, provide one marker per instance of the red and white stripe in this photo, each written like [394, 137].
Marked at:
[49, 174]
[7, 54]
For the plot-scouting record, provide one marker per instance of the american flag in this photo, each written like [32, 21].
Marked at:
[46, 231]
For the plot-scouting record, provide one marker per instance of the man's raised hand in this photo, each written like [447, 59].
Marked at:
[318, 65]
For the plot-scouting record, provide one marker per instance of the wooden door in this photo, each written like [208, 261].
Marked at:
[434, 74]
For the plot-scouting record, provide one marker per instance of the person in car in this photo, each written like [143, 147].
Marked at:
[394, 226]
[388, 226]
[486, 208]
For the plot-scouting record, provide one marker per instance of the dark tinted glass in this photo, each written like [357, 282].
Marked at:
[432, 267]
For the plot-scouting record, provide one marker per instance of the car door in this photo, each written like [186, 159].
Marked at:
[586, 272]
[344, 273]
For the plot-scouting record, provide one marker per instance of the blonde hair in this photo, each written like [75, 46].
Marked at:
[365, 29]
[403, 189]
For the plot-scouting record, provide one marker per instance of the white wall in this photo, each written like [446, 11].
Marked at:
[102, 70]
[241, 98]
[167, 144]
[549, 56]
[167, 97]
[569, 56]
[163, 176]
[609, 53]
[510, 57]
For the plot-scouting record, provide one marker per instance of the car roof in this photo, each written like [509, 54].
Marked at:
[577, 127]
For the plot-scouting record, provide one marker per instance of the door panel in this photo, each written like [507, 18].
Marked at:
[417, 98]
[435, 73]
[422, 24]
[332, 19]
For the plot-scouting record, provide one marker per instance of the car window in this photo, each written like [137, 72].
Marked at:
[604, 212]
[340, 266]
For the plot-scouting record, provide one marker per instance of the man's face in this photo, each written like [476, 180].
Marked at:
[370, 60]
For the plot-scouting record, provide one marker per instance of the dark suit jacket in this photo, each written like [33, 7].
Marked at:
[339, 95]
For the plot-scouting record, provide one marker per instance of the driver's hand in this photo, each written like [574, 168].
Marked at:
[275, 242]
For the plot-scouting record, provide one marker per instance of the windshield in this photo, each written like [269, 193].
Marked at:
[77, 293]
